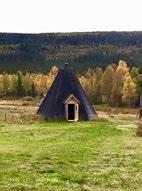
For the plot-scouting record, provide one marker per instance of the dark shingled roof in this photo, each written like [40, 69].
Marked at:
[65, 84]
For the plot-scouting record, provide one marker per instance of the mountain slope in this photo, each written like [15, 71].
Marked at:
[38, 52]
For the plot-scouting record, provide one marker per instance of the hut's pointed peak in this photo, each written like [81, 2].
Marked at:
[66, 65]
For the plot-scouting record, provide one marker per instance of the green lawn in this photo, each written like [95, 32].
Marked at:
[84, 156]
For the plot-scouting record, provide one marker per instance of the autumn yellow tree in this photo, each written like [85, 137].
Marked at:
[5, 84]
[27, 84]
[129, 94]
[13, 84]
[122, 71]
[53, 71]
[88, 83]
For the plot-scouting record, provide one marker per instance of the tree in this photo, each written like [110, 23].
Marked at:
[107, 83]
[20, 89]
[122, 71]
[116, 89]
[88, 83]
[129, 94]
[97, 91]
[5, 84]
[134, 73]
[33, 91]
[53, 71]
[27, 83]
[13, 84]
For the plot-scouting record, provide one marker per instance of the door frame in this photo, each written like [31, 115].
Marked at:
[76, 112]
[72, 100]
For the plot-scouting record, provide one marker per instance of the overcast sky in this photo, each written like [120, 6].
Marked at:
[34, 16]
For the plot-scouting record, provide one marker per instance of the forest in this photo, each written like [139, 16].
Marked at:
[117, 85]
[39, 52]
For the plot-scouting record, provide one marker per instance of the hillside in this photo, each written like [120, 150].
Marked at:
[38, 52]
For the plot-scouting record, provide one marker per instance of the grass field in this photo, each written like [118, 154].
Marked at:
[60, 156]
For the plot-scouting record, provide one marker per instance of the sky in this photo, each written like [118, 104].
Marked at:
[41, 16]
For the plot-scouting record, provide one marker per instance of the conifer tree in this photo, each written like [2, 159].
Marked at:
[107, 83]
[20, 89]
[33, 91]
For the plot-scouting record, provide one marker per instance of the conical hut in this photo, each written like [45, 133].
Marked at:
[66, 99]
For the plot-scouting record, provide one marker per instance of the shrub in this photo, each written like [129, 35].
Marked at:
[28, 98]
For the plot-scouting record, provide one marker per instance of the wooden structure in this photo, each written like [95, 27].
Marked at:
[71, 108]
[66, 99]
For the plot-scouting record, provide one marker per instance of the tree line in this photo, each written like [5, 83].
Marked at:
[117, 85]
[28, 84]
